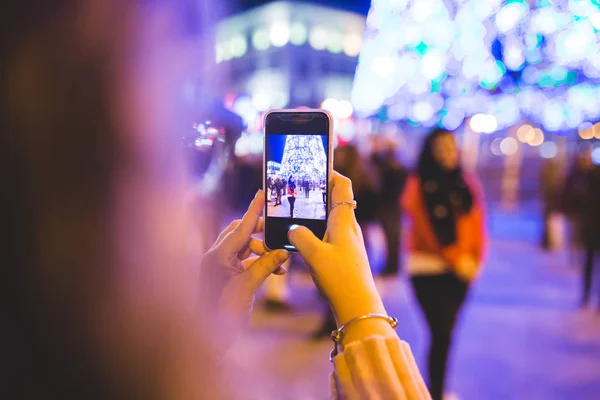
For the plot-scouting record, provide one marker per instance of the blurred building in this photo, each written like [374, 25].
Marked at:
[287, 54]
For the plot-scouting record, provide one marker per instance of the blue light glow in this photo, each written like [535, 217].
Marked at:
[471, 62]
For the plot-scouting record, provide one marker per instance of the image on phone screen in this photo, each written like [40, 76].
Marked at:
[297, 168]
[297, 176]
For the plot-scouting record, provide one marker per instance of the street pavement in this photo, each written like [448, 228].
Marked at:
[522, 334]
[309, 208]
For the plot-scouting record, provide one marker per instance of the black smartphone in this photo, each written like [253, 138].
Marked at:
[298, 160]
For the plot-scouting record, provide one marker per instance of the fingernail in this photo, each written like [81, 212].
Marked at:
[257, 193]
[281, 256]
[281, 270]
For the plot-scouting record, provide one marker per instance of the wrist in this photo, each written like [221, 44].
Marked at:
[361, 330]
[348, 310]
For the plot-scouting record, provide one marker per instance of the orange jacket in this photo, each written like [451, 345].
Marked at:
[470, 227]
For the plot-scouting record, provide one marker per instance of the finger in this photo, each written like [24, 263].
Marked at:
[255, 246]
[342, 220]
[281, 271]
[234, 224]
[240, 236]
[341, 188]
[260, 225]
[307, 244]
[249, 261]
[236, 239]
[264, 266]
[341, 192]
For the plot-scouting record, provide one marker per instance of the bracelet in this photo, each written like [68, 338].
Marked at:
[338, 334]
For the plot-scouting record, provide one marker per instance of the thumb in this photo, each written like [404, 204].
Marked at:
[307, 244]
[264, 266]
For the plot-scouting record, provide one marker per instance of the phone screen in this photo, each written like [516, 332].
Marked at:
[297, 168]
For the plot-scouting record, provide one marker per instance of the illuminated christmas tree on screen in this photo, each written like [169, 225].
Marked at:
[304, 157]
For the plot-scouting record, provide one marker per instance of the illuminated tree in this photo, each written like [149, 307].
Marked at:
[440, 61]
[304, 157]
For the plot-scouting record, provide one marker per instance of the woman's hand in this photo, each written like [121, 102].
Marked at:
[339, 264]
[230, 276]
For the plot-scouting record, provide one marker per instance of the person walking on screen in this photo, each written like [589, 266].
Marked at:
[292, 193]
[278, 187]
[283, 187]
[446, 243]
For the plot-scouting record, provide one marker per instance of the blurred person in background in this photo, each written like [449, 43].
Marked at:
[103, 298]
[551, 182]
[392, 176]
[348, 162]
[446, 243]
[365, 183]
[573, 191]
[581, 203]
[247, 177]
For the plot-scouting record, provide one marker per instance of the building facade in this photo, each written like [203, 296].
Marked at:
[288, 54]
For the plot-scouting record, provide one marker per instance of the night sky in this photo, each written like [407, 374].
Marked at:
[360, 6]
[275, 146]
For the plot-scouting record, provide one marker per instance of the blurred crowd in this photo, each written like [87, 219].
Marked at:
[413, 202]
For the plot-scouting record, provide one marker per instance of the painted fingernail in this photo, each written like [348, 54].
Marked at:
[291, 229]
[282, 256]
[281, 271]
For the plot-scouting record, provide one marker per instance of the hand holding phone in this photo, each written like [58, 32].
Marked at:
[298, 163]
[339, 266]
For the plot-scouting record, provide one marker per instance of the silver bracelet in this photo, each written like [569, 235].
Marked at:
[338, 334]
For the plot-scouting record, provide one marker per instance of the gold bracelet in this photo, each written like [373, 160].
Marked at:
[338, 334]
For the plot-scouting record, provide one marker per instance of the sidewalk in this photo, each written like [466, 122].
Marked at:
[310, 208]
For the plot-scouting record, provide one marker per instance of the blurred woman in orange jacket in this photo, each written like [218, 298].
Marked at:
[446, 242]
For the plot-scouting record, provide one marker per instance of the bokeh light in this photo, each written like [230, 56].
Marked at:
[260, 39]
[298, 34]
[335, 42]
[509, 146]
[279, 34]
[352, 45]
[495, 147]
[586, 131]
[538, 137]
[483, 123]
[548, 149]
[318, 38]
[525, 133]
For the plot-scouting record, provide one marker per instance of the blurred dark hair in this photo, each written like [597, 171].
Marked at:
[62, 148]
[427, 165]
[59, 152]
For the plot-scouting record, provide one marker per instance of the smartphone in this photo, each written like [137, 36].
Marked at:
[298, 165]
